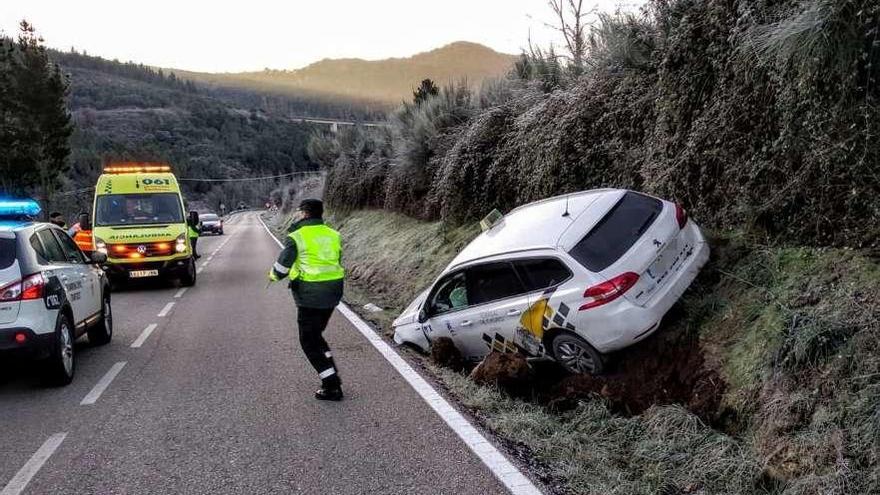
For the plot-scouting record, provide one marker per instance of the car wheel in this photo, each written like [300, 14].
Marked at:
[61, 364]
[102, 332]
[189, 278]
[576, 355]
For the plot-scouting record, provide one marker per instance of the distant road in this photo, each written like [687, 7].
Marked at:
[334, 124]
[205, 390]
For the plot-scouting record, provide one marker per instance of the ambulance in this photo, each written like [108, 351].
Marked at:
[139, 223]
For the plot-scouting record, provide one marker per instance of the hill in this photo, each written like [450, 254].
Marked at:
[126, 111]
[387, 81]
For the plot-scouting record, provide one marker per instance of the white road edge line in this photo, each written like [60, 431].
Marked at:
[144, 336]
[102, 385]
[180, 292]
[166, 309]
[508, 474]
[24, 475]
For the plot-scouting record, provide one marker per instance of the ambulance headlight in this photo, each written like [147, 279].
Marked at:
[180, 245]
[100, 245]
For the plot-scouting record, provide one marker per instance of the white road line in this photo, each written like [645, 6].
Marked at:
[508, 474]
[198, 270]
[166, 309]
[180, 292]
[102, 385]
[24, 475]
[144, 336]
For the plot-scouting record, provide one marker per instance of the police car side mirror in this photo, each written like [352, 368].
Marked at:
[423, 315]
[98, 258]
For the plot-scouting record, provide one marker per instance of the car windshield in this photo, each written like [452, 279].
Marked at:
[7, 253]
[209, 217]
[137, 209]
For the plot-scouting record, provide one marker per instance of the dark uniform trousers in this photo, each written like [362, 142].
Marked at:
[311, 323]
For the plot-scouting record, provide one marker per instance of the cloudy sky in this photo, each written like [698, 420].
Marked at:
[224, 35]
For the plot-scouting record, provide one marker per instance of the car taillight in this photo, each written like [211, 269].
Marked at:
[27, 289]
[608, 291]
[681, 216]
[32, 287]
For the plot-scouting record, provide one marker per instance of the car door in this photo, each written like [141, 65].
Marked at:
[551, 299]
[68, 273]
[486, 303]
[91, 289]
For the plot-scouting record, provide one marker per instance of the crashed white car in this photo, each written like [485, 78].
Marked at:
[569, 278]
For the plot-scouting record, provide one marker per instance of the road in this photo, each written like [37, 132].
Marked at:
[218, 399]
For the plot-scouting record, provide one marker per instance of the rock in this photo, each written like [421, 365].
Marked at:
[372, 308]
[444, 353]
[509, 372]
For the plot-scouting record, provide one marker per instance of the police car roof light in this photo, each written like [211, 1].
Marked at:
[17, 208]
[134, 168]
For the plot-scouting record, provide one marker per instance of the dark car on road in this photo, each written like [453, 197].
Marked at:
[211, 224]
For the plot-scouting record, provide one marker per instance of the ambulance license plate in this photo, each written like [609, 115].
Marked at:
[143, 273]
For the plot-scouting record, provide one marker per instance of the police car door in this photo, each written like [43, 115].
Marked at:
[91, 290]
[68, 273]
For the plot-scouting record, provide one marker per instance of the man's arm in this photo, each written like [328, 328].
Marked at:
[285, 260]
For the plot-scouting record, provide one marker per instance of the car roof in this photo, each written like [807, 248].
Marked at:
[12, 226]
[538, 225]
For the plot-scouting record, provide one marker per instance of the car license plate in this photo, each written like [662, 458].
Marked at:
[143, 273]
[663, 263]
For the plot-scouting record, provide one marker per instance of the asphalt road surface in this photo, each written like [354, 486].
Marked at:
[215, 396]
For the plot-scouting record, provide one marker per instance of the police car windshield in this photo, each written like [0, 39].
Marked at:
[137, 209]
[7, 253]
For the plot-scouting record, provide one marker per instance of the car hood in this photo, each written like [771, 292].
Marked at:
[411, 313]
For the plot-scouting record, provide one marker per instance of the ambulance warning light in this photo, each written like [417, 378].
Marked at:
[136, 168]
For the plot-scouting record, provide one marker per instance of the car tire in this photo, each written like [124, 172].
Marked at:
[188, 279]
[576, 355]
[221, 232]
[61, 363]
[102, 332]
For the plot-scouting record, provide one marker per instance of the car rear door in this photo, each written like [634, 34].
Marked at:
[91, 290]
[67, 272]
[10, 273]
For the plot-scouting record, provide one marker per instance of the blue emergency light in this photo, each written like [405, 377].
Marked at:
[18, 208]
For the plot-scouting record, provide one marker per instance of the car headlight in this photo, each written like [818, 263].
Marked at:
[100, 245]
[180, 245]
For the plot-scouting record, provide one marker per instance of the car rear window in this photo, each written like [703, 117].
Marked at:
[7, 253]
[618, 230]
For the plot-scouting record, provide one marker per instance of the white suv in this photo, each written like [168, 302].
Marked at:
[50, 294]
[571, 278]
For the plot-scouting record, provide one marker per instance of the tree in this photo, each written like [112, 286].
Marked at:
[572, 24]
[425, 90]
[34, 122]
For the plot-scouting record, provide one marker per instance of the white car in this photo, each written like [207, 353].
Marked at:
[569, 278]
[50, 294]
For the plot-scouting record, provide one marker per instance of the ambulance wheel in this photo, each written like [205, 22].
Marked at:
[188, 279]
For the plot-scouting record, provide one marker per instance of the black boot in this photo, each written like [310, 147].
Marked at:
[331, 389]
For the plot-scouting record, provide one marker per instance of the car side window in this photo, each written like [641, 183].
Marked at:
[450, 294]
[71, 252]
[491, 282]
[52, 251]
[542, 273]
[38, 248]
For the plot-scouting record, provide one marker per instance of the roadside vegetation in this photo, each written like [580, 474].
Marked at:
[759, 117]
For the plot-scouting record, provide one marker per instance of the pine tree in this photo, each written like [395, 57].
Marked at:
[425, 90]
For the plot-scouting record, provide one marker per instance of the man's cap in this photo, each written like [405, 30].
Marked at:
[312, 207]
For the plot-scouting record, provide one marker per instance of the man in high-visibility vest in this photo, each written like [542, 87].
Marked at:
[311, 259]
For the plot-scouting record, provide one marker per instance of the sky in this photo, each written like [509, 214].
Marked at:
[240, 35]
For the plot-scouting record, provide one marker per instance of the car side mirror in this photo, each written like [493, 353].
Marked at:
[423, 315]
[98, 258]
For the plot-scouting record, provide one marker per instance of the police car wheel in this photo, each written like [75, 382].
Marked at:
[102, 332]
[61, 365]
[576, 355]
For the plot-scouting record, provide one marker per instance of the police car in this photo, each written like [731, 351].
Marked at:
[50, 292]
